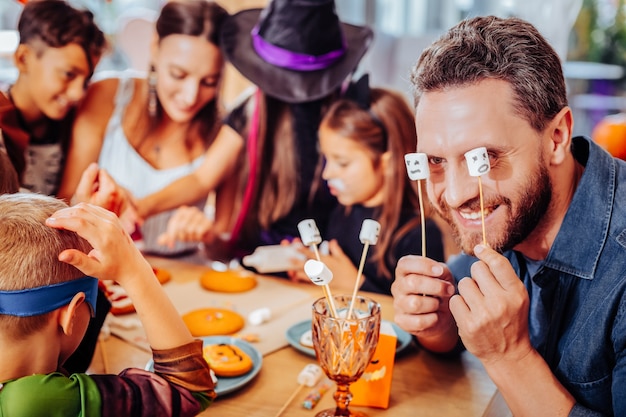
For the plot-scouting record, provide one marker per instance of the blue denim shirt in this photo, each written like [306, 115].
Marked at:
[583, 286]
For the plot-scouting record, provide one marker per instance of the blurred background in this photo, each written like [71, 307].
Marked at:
[589, 35]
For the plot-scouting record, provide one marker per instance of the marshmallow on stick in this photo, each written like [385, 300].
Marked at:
[417, 169]
[478, 164]
[309, 376]
[370, 229]
[311, 236]
[319, 274]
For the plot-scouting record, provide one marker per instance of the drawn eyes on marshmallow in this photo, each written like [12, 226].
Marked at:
[477, 161]
[417, 166]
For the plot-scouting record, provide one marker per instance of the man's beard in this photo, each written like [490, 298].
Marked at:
[533, 204]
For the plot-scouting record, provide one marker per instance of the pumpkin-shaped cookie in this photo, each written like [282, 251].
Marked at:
[227, 360]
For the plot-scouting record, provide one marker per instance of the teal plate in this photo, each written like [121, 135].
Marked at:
[294, 333]
[226, 385]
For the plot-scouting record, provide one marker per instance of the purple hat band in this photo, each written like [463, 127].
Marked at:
[283, 58]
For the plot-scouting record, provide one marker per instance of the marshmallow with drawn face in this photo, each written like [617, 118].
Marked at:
[477, 161]
[318, 272]
[417, 166]
[310, 375]
[309, 233]
[370, 229]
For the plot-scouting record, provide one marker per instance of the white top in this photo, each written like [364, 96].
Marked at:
[134, 173]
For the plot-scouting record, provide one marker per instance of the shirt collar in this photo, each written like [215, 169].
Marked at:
[583, 233]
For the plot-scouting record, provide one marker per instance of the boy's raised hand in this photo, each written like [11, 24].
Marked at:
[114, 255]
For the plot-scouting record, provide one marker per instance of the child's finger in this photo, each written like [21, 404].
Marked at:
[80, 260]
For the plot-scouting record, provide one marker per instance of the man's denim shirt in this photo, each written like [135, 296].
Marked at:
[583, 281]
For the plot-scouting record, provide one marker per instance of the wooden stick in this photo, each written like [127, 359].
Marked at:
[289, 400]
[422, 217]
[327, 293]
[482, 212]
[358, 278]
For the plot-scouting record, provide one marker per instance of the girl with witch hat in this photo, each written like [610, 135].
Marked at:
[300, 56]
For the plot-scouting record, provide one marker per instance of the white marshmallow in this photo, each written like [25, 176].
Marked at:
[310, 375]
[417, 166]
[369, 231]
[259, 316]
[309, 233]
[318, 272]
[477, 161]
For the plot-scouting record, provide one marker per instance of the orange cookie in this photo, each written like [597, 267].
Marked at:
[213, 322]
[228, 281]
[227, 360]
[162, 275]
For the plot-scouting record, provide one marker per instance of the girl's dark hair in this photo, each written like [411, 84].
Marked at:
[200, 18]
[57, 24]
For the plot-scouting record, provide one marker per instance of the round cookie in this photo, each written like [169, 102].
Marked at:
[228, 281]
[213, 322]
[227, 360]
[307, 339]
[163, 275]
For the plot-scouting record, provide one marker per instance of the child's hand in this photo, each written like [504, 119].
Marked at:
[188, 224]
[344, 271]
[97, 187]
[114, 255]
[296, 272]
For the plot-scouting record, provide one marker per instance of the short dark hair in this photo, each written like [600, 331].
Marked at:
[507, 49]
[57, 24]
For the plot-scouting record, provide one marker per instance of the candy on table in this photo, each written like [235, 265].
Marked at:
[315, 395]
[259, 316]
[309, 376]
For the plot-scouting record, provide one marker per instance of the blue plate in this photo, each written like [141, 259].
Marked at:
[294, 333]
[227, 385]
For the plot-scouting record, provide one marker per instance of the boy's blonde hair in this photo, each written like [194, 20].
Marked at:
[29, 252]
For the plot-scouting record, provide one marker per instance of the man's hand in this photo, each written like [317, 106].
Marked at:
[491, 309]
[421, 292]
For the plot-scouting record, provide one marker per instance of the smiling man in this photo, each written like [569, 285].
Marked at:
[58, 51]
[542, 304]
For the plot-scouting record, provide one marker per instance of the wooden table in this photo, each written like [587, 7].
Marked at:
[423, 384]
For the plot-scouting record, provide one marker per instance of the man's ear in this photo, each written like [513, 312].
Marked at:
[68, 313]
[560, 132]
[21, 56]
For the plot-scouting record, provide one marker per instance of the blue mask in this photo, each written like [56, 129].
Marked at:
[41, 300]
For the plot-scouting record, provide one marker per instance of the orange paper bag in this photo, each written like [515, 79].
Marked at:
[374, 386]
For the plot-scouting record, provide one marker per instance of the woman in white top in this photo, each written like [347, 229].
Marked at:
[149, 132]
